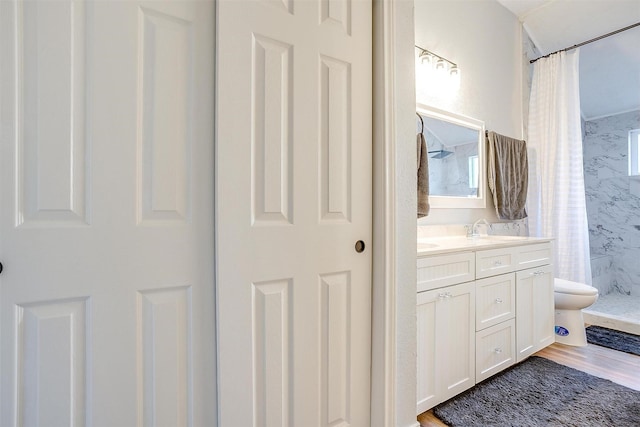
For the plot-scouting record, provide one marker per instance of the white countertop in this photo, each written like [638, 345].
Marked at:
[448, 244]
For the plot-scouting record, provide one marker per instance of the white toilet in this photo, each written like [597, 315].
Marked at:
[570, 298]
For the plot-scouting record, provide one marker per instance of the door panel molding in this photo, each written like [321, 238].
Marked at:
[52, 358]
[52, 170]
[165, 357]
[272, 137]
[165, 102]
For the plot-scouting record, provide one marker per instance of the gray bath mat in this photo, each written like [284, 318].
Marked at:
[616, 340]
[539, 392]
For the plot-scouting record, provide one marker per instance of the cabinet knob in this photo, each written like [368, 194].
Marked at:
[498, 300]
[497, 263]
[498, 350]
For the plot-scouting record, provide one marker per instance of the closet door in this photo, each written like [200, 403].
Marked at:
[293, 201]
[106, 230]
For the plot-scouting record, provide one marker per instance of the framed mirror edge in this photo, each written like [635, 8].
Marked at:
[456, 202]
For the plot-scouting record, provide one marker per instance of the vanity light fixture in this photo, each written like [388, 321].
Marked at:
[438, 62]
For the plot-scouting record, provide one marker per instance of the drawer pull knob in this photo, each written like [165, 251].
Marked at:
[498, 350]
[497, 263]
[537, 273]
[498, 300]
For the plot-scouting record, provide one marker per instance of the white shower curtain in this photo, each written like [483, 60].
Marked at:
[556, 195]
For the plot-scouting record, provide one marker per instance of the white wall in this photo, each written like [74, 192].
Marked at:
[485, 40]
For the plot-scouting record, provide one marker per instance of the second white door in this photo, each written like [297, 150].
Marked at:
[294, 212]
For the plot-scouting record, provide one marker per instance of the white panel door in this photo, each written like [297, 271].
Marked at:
[106, 230]
[293, 198]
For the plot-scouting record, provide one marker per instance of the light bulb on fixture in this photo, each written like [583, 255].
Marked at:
[440, 64]
[454, 71]
[426, 58]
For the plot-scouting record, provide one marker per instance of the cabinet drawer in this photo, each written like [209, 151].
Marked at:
[495, 300]
[530, 256]
[495, 261]
[444, 270]
[495, 349]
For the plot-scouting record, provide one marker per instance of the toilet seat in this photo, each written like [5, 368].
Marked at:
[573, 288]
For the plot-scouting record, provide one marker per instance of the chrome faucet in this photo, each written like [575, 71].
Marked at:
[474, 227]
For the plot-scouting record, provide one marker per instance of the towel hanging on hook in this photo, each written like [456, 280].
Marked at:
[507, 175]
[441, 154]
[423, 173]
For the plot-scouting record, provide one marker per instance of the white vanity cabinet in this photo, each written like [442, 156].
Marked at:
[479, 311]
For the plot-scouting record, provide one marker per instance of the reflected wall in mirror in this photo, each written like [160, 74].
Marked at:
[456, 146]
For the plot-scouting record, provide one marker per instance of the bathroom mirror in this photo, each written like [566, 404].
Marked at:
[456, 146]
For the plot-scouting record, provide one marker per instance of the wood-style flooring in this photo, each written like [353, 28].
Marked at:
[616, 366]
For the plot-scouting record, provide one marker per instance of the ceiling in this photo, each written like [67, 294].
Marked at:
[609, 68]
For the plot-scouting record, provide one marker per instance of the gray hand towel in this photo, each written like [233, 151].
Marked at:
[508, 175]
[423, 177]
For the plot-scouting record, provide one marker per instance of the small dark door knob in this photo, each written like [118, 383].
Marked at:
[1, 267]
[359, 246]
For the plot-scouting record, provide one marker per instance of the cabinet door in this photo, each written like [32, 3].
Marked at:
[426, 350]
[446, 343]
[534, 310]
[455, 357]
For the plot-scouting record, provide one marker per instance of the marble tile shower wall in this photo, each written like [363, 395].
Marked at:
[613, 199]
[603, 273]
